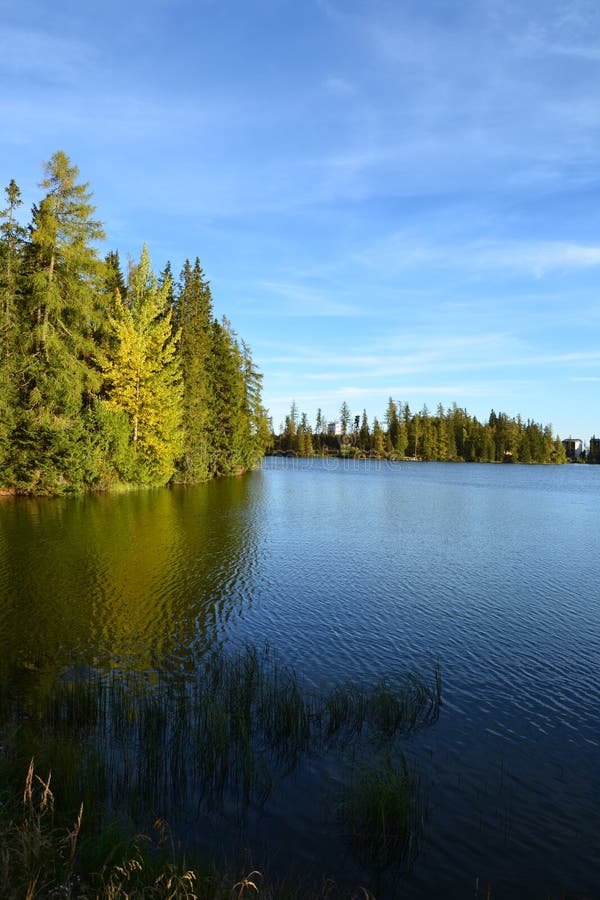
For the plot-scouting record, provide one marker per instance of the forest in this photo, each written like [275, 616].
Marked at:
[447, 435]
[109, 379]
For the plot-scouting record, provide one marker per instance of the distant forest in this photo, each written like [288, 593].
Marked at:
[446, 435]
[108, 379]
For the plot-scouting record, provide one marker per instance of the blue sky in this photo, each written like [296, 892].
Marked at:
[389, 198]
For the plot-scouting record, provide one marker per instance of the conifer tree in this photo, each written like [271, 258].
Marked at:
[364, 433]
[320, 423]
[90, 369]
[378, 440]
[228, 425]
[258, 423]
[12, 236]
[166, 279]
[113, 275]
[290, 433]
[392, 422]
[144, 376]
[192, 316]
[304, 437]
[66, 267]
[58, 376]
[345, 416]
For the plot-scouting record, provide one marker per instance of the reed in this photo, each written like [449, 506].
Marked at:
[381, 813]
[127, 746]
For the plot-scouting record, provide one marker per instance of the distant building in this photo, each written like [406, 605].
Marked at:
[334, 428]
[573, 448]
[593, 455]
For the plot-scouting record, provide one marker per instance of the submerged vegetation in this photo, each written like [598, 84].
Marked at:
[381, 812]
[125, 751]
[104, 379]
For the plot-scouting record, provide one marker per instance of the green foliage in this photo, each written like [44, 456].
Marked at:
[450, 435]
[111, 456]
[11, 251]
[50, 455]
[192, 315]
[103, 382]
[54, 371]
[232, 447]
[143, 375]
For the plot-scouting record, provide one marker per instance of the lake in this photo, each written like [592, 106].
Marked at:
[354, 570]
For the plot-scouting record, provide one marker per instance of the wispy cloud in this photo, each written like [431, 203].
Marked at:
[340, 87]
[27, 52]
[399, 251]
[299, 300]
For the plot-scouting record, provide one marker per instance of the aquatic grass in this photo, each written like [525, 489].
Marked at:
[411, 706]
[344, 709]
[133, 747]
[381, 813]
[230, 729]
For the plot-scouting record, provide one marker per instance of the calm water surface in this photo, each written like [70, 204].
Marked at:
[354, 570]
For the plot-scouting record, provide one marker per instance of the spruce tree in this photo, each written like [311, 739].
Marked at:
[228, 424]
[192, 316]
[113, 275]
[364, 432]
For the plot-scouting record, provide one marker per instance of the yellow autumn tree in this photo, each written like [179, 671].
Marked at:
[144, 375]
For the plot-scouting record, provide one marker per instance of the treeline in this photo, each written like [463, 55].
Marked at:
[106, 379]
[447, 435]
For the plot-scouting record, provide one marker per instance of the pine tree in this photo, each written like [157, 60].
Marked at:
[144, 376]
